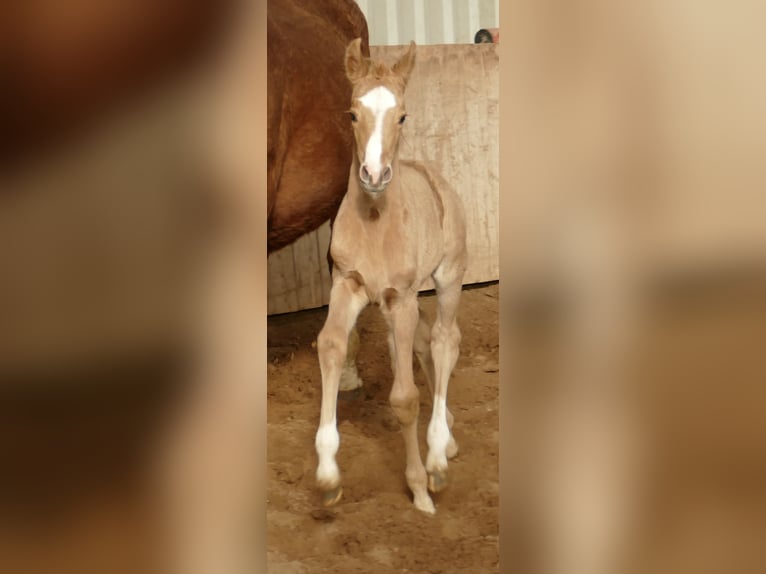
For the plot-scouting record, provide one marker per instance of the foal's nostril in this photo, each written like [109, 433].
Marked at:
[387, 174]
[364, 175]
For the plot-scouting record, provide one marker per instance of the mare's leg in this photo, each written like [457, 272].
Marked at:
[402, 316]
[425, 358]
[347, 299]
[445, 341]
[349, 378]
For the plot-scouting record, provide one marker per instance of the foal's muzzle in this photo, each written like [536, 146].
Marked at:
[375, 180]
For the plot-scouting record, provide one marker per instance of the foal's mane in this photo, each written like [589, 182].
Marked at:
[380, 72]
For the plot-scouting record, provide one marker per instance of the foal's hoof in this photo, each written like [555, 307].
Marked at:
[425, 504]
[350, 380]
[437, 480]
[330, 497]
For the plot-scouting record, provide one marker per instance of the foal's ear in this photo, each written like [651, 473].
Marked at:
[405, 64]
[356, 64]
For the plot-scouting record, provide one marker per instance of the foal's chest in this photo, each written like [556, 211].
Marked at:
[377, 252]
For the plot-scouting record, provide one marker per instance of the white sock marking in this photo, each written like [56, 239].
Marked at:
[327, 442]
[438, 435]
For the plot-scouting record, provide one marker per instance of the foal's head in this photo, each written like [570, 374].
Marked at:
[377, 112]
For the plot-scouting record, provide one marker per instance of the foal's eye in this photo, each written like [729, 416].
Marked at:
[353, 116]
[401, 120]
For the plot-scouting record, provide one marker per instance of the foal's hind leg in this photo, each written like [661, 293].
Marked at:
[347, 299]
[445, 341]
[425, 358]
[349, 378]
[405, 398]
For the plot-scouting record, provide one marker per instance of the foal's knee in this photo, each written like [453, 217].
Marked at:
[332, 345]
[406, 404]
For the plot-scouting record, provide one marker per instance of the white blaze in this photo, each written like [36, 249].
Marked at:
[378, 100]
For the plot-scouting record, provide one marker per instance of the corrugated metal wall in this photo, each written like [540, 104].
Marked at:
[393, 22]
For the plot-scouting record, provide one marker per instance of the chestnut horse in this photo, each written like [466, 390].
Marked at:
[399, 224]
[309, 140]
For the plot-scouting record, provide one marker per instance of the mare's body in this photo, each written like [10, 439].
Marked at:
[309, 139]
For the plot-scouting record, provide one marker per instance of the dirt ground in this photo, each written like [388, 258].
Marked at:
[375, 527]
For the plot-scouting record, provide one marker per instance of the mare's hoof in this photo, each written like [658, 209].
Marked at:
[437, 481]
[330, 497]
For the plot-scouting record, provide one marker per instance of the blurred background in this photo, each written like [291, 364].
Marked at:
[131, 316]
[633, 287]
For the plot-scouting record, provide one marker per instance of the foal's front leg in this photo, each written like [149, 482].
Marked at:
[347, 299]
[405, 398]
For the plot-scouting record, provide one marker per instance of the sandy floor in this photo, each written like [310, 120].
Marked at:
[375, 527]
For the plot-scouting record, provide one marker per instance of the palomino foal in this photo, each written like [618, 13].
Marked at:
[399, 223]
